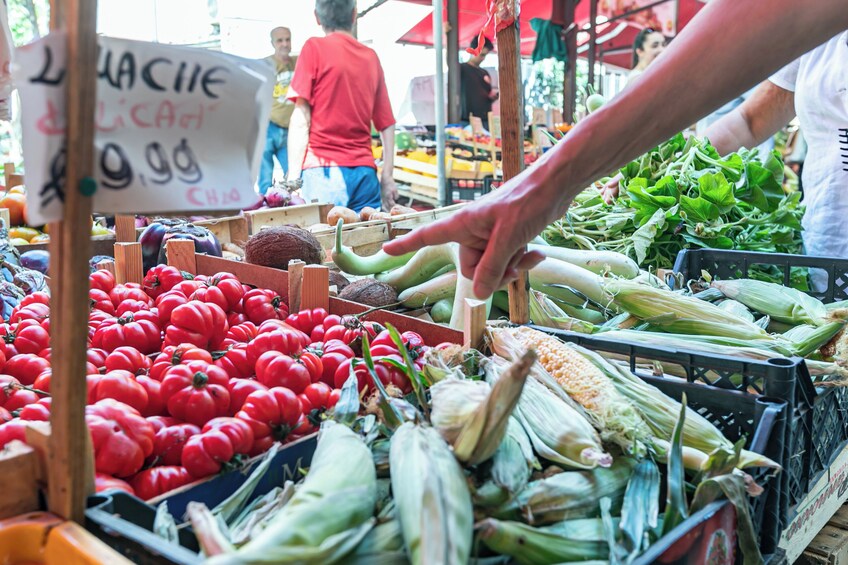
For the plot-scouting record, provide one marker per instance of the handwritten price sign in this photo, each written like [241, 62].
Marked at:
[177, 129]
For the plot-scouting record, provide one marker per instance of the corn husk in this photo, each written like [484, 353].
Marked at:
[514, 460]
[737, 309]
[779, 302]
[330, 512]
[472, 415]
[677, 313]
[432, 497]
[539, 546]
[569, 495]
[558, 433]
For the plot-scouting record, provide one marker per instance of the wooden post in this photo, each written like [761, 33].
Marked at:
[180, 253]
[107, 266]
[295, 270]
[519, 299]
[315, 292]
[475, 323]
[71, 473]
[125, 229]
[454, 90]
[128, 263]
[569, 91]
[512, 139]
[14, 180]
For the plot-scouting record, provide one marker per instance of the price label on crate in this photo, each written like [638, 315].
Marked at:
[177, 128]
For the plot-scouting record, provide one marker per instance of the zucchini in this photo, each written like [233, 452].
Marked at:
[598, 262]
[352, 264]
[430, 292]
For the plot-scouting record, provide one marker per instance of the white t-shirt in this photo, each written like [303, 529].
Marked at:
[819, 80]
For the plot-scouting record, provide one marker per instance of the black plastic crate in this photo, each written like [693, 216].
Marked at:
[737, 414]
[464, 190]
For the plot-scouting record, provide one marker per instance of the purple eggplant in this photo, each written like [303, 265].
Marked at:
[37, 260]
[204, 240]
[151, 240]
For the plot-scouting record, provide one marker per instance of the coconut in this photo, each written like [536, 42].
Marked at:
[338, 280]
[275, 247]
[369, 292]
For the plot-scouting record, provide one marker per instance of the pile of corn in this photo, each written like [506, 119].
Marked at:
[547, 455]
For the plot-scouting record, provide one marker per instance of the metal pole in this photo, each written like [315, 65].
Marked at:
[593, 37]
[569, 98]
[454, 89]
[438, 44]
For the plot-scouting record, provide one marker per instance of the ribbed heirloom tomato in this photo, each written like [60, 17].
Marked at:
[262, 304]
[100, 300]
[272, 415]
[37, 411]
[165, 304]
[240, 389]
[103, 482]
[175, 355]
[239, 432]
[196, 392]
[275, 369]
[129, 291]
[120, 386]
[26, 367]
[222, 289]
[333, 353]
[12, 396]
[307, 320]
[161, 279]
[139, 330]
[282, 339]
[152, 482]
[27, 337]
[127, 359]
[198, 323]
[169, 440]
[235, 362]
[102, 280]
[205, 453]
[350, 328]
[243, 332]
[122, 439]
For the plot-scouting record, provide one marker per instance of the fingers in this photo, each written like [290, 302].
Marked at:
[468, 260]
[492, 266]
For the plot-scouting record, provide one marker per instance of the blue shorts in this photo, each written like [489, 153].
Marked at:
[354, 187]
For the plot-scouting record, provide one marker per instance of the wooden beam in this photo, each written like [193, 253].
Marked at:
[453, 50]
[129, 266]
[315, 292]
[295, 271]
[475, 324]
[125, 229]
[180, 253]
[71, 472]
[569, 91]
[519, 299]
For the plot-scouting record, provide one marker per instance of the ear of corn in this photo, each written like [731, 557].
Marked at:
[569, 495]
[514, 459]
[779, 302]
[737, 309]
[679, 314]
[806, 338]
[613, 415]
[538, 546]
[432, 497]
[330, 512]
[472, 416]
[558, 433]
[382, 545]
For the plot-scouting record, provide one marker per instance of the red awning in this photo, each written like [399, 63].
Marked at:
[614, 38]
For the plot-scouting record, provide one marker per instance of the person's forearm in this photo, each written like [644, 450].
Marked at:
[693, 77]
[388, 138]
[298, 140]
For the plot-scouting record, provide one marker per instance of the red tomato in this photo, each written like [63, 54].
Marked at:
[275, 369]
[161, 279]
[128, 359]
[199, 323]
[272, 415]
[100, 300]
[167, 302]
[333, 354]
[170, 438]
[186, 288]
[102, 280]
[30, 337]
[289, 341]
[36, 311]
[103, 482]
[315, 400]
[26, 367]
[40, 297]
[12, 396]
[239, 432]
[139, 330]
[385, 338]
[155, 401]
[120, 386]
[243, 332]
[222, 289]
[122, 439]
[5, 416]
[132, 306]
[386, 374]
[156, 481]
[236, 318]
[128, 291]
[350, 329]
[37, 411]
[383, 350]
[307, 320]
[11, 431]
[313, 364]
[261, 304]
[240, 389]
[196, 392]
[204, 454]
[96, 357]
[175, 355]
[235, 362]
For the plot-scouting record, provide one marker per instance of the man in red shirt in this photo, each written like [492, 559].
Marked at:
[339, 90]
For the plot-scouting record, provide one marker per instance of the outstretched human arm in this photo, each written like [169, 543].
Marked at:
[298, 137]
[690, 79]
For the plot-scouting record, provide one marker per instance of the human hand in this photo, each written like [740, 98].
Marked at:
[388, 193]
[609, 191]
[493, 231]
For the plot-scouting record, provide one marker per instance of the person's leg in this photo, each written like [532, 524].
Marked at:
[283, 150]
[266, 170]
[363, 188]
[326, 185]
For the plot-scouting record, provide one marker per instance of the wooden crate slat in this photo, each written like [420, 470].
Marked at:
[416, 179]
[303, 215]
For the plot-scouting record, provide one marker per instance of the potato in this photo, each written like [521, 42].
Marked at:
[342, 213]
[398, 210]
[381, 216]
[366, 213]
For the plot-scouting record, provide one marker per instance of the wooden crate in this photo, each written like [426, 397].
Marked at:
[304, 215]
[100, 245]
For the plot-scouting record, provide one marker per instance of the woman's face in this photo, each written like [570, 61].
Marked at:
[653, 46]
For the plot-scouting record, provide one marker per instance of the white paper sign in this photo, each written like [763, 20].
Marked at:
[177, 128]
